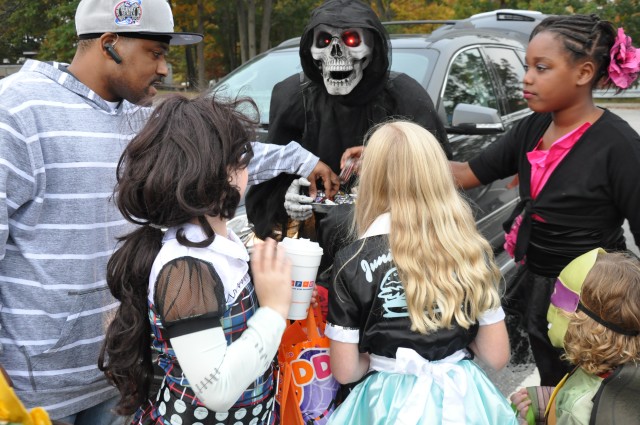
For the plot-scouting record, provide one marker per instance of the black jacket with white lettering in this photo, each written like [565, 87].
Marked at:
[365, 294]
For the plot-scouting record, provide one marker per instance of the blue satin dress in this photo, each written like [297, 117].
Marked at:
[453, 391]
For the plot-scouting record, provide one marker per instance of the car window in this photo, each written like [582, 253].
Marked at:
[417, 64]
[510, 71]
[257, 78]
[468, 82]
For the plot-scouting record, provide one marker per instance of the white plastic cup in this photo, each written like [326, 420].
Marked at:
[305, 257]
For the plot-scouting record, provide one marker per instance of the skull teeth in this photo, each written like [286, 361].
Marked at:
[342, 81]
[339, 68]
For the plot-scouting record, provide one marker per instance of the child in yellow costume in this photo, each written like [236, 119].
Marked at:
[595, 315]
[13, 412]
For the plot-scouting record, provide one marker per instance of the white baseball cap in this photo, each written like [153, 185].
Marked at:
[133, 18]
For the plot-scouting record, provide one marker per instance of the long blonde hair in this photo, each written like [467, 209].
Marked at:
[446, 266]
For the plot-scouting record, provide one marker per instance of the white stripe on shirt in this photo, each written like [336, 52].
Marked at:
[28, 373]
[80, 165]
[76, 399]
[59, 287]
[35, 343]
[12, 131]
[48, 103]
[16, 170]
[77, 195]
[63, 315]
[61, 256]
[74, 226]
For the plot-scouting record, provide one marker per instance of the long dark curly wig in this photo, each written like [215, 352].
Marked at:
[179, 167]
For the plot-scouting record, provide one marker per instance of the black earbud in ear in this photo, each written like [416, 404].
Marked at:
[112, 52]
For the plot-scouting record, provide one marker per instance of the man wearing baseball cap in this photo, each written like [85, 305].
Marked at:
[62, 131]
[123, 45]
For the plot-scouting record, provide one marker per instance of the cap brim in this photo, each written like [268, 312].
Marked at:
[178, 38]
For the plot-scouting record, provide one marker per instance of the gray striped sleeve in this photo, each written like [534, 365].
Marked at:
[17, 173]
[270, 160]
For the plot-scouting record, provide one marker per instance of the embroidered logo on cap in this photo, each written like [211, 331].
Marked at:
[128, 12]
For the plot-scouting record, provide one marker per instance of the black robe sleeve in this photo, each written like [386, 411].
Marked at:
[414, 104]
[264, 202]
[286, 113]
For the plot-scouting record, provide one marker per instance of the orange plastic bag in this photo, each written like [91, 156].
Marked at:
[307, 391]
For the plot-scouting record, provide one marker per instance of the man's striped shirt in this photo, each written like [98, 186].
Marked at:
[59, 147]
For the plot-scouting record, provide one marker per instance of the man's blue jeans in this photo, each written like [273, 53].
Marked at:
[100, 414]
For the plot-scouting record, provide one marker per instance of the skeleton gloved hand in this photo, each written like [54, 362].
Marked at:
[298, 206]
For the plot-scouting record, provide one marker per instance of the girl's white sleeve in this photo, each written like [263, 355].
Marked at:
[217, 373]
[492, 316]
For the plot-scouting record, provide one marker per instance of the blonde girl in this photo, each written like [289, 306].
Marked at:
[415, 298]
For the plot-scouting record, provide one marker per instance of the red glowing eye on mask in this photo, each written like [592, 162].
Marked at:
[323, 39]
[351, 38]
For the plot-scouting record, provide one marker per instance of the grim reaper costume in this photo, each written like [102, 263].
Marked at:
[346, 87]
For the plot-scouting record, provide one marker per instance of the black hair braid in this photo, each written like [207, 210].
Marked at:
[601, 53]
[585, 37]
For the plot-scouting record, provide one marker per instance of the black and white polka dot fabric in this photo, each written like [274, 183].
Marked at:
[170, 410]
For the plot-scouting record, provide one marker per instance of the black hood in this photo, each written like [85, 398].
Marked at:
[350, 14]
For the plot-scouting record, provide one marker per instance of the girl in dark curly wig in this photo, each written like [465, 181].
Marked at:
[183, 278]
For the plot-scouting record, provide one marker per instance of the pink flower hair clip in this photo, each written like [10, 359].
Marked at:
[625, 61]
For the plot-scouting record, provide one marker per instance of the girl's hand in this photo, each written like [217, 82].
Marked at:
[521, 401]
[271, 271]
[354, 152]
[514, 182]
[314, 297]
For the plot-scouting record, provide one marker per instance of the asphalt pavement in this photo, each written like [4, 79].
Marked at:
[521, 370]
[630, 112]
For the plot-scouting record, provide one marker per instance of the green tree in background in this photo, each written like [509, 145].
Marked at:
[26, 25]
[190, 62]
[289, 18]
[59, 42]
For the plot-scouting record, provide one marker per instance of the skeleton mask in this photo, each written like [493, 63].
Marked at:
[341, 55]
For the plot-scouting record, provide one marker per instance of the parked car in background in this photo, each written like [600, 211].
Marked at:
[472, 69]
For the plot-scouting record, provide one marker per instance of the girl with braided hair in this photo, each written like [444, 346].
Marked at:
[575, 161]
